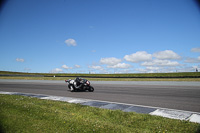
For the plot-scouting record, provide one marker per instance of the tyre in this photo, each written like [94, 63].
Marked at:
[91, 89]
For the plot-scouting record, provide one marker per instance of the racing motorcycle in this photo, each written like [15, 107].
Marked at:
[85, 85]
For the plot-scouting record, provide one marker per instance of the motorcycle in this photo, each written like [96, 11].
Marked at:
[85, 85]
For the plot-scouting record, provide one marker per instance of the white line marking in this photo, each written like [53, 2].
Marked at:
[195, 118]
[52, 98]
[77, 101]
[2, 92]
[172, 114]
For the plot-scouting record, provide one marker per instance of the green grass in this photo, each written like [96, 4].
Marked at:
[26, 114]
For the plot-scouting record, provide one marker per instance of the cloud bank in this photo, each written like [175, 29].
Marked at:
[140, 61]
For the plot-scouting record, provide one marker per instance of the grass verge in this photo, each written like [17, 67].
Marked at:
[26, 114]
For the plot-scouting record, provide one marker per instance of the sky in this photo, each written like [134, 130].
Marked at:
[100, 36]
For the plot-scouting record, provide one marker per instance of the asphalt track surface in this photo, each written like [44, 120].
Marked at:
[172, 95]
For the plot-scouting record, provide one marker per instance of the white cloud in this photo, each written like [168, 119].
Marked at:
[96, 67]
[77, 66]
[56, 70]
[167, 54]
[156, 69]
[138, 57]
[158, 62]
[66, 67]
[153, 68]
[141, 70]
[188, 69]
[120, 65]
[27, 69]
[20, 60]
[110, 61]
[118, 71]
[70, 42]
[192, 60]
[195, 50]
[150, 69]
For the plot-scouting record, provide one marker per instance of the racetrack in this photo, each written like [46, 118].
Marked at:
[173, 95]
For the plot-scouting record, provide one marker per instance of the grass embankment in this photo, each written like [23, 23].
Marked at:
[105, 79]
[184, 76]
[26, 114]
[131, 75]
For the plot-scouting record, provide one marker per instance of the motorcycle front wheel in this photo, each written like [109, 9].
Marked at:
[91, 89]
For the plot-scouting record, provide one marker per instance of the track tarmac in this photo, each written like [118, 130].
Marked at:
[173, 95]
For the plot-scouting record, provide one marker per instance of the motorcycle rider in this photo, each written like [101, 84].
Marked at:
[78, 83]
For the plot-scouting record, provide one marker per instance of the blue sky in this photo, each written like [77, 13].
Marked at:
[100, 36]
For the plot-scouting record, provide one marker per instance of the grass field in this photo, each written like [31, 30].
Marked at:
[26, 114]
